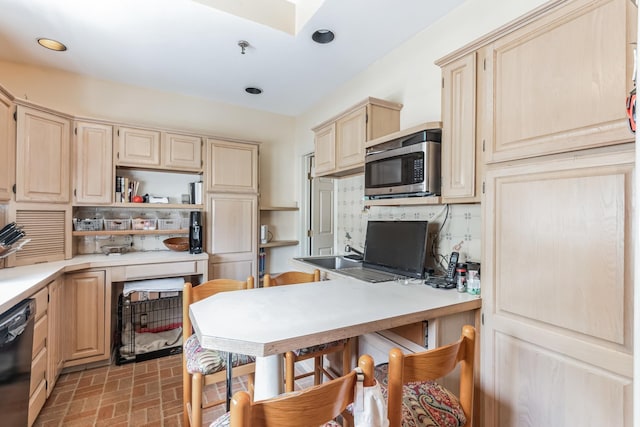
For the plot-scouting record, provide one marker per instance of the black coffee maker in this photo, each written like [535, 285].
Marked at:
[195, 232]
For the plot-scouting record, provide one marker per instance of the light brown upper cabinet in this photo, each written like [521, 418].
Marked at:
[153, 149]
[7, 147]
[42, 156]
[340, 141]
[232, 167]
[138, 147]
[183, 152]
[93, 163]
[461, 153]
[560, 83]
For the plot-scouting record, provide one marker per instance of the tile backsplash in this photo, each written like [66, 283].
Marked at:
[461, 231]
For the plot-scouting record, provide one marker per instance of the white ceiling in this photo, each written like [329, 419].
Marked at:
[191, 47]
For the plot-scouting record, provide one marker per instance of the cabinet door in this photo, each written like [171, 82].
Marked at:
[138, 147]
[325, 149]
[351, 134]
[232, 166]
[182, 152]
[94, 163]
[561, 81]
[86, 323]
[42, 157]
[55, 343]
[557, 277]
[232, 234]
[458, 161]
[7, 147]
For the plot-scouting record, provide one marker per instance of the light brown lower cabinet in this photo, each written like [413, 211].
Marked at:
[38, 384]
[55, 343]
[87, 320]
[557, 286]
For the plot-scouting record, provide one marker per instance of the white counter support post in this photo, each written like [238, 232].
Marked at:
[269, 377]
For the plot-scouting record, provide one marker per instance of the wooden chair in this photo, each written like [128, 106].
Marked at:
[421, 369]
[314, 406]
[204, 367]
[316, 353]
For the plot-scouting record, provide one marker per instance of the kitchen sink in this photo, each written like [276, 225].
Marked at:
[332, 262]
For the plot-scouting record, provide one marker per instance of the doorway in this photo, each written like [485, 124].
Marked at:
[319, 215]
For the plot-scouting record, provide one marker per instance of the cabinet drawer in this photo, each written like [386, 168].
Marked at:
[36, 401]
[41, 299]
[40, 334]
[38, 370]
[160, 270]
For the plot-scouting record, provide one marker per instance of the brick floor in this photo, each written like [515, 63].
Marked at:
[140, 394]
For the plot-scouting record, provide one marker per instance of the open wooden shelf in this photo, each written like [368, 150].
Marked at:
[277, 243]
[128, 232]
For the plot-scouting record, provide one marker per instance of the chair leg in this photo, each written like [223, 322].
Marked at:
[186, 394]
[229, 380]
[289, 371]
[319, 375]
[197, 384]
[346, 358]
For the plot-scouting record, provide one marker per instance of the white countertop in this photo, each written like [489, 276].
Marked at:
[18, 283]
[269, 321]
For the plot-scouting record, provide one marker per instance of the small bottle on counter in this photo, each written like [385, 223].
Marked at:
[462, 279]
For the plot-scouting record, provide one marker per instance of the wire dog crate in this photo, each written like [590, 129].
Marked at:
[149, 329]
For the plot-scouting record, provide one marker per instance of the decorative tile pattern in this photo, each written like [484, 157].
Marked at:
[461, 231]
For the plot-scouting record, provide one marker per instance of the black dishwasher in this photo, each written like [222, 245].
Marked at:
[16, 344]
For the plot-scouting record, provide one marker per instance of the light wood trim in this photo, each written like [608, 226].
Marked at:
[405, 201]
[373, 101]
[36, 402]
[501, 31]
[402, 133]
[7, 147]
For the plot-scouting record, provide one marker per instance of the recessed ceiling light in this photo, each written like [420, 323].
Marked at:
[253, 90]
[323, 36]
[52, 44]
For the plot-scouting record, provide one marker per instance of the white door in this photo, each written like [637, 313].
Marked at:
[320, 213]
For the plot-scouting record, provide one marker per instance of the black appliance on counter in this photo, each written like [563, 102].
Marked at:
[195, 232]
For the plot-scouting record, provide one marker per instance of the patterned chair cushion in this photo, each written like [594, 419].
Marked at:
[319, 347]
[225, 421]
[209, 361]
[425, 404]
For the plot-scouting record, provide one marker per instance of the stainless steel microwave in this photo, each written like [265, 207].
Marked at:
[409, 167]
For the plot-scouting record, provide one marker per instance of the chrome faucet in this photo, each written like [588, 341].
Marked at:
[349, 248]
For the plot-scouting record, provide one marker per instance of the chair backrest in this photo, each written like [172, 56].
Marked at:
[193, 294]
[290, 277]
[431, 365]
[312, 406]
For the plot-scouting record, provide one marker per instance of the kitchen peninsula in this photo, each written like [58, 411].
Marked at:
[291, 317]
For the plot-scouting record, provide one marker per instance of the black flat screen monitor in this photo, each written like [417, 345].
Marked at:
[398, 247]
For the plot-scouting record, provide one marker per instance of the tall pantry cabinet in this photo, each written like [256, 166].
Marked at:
[232, 209]
[557, 274]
